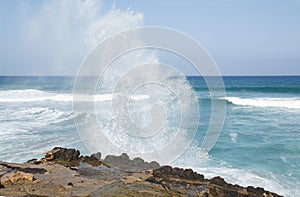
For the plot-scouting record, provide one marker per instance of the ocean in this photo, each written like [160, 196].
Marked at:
[259, 144]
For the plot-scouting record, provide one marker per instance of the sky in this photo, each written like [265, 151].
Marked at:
[244, 37]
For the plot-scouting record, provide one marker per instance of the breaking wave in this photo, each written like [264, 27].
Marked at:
[291, 103]
[33, 95]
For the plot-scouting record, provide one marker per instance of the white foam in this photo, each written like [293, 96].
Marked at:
[204, 164]
[23, 119]
[291, 103]
[233, 137]
[96, 98]
[32, 95]
[139, 97]
[248, 178]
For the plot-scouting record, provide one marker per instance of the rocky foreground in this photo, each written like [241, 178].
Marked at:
[64, 172]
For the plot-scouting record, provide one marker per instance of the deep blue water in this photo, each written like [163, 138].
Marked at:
[259, 143]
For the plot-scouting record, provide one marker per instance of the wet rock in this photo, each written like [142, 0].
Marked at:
[259, 192]
[169, 173]
[186, 182]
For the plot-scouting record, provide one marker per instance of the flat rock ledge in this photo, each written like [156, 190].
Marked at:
[64, 172]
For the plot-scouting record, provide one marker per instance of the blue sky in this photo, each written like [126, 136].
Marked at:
[244, 37]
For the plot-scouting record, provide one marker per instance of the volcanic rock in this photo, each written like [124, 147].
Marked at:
[64, 172]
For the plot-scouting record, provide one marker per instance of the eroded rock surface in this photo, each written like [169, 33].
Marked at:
[124, 163]
[187, 182]
[64, 172]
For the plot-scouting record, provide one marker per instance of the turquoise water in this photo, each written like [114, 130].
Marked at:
[259, 144]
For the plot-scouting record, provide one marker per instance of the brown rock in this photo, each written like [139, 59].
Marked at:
[70, 158]
[16, 177]
[62, 155]
[126, 177]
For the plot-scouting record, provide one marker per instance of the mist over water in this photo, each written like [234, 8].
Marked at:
[259, 144]
[260, 141]
[53, 37]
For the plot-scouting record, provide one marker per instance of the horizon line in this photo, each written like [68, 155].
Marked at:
[234, 75]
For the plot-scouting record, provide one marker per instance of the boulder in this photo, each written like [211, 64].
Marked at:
[62, 155]
[69, 157]
[123, 162]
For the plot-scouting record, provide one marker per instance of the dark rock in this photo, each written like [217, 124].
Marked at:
[34, 161]
[73, 168]
[154, 164]
[186, 182]
[124, 157]
[167, 172]
[33, 170]
[163, 170]
[71, 158]
[218, 181]
[25, 169]
[138, 161]
[97, 155]
[63, 155]
[70, 184]
[94, 161]
[123, 162]
[259, 192]
[117, 160]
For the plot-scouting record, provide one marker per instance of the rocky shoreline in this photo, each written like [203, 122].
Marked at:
[64, 172]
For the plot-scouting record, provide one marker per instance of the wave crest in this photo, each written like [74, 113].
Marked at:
[33, 95]
[290, 103]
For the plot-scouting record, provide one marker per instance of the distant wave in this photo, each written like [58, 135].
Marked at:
[266, 89]
[291, 103]
[33, 95]
[256, 89]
